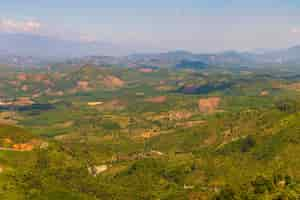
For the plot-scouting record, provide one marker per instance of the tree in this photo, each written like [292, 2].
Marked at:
[286, 105]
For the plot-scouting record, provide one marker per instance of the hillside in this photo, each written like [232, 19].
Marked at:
[108, 132]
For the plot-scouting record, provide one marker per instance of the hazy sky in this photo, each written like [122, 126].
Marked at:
[196, 25]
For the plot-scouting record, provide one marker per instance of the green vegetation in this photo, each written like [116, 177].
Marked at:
[96, 133]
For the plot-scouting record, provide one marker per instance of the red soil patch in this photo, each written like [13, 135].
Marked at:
[48, 83]
[146, 70]
[113, 81]
[84, 85]
[293, 86]
[264, 93]
[39, 77]
[23, 101]
[115, 104]
[25, 88]
[159, 99]
[32, 77]
[179, 115]
[29, 146]
[149, 134]
[7, 141]
[23, 147]
[22, 77]
[14, 83]
[208, 105]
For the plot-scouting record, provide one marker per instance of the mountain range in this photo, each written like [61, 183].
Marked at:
[19, 48]
[22, 44]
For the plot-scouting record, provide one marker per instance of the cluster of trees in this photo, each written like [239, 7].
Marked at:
[277, 187]
[55, 175]
[287, 105]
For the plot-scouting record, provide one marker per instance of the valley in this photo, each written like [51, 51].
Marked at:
[110, 132]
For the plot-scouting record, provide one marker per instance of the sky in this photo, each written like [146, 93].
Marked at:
[161, 25]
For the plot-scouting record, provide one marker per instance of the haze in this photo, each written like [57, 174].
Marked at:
[198, 26]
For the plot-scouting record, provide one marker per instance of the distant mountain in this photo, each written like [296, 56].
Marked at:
[232, 58]
[227, 58]
[21, 44]
[162, 59]
[261, 51]
[22, 61]
[31, 49]
[289, 56]
[175, 58]
[189, 64]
